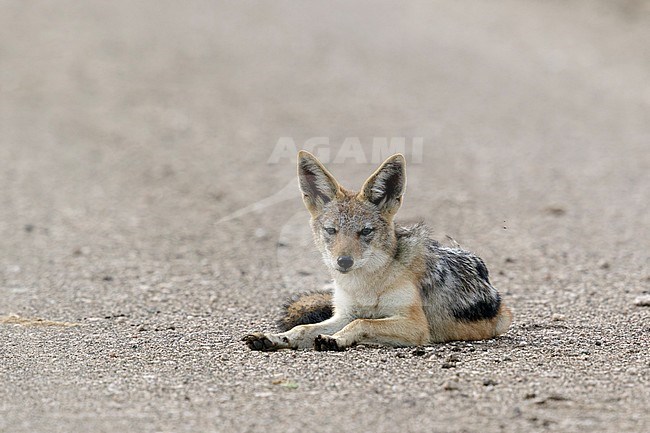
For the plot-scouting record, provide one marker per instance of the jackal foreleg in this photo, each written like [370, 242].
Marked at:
[300, 337]
[406, 330]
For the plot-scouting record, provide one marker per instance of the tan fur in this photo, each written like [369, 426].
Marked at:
[308, 302]
[478, 330]
[345, 245]
[403, 322]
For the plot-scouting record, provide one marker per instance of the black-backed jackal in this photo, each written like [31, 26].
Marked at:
[392, 285]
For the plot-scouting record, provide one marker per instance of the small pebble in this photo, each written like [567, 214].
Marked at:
[450, 386]
[642, 301]
[556, 210]
[81, 251]
[453, 358]
[418, 352]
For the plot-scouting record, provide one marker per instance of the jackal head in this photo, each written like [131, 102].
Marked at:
[353, 230]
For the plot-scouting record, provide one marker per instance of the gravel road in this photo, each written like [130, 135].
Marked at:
[132, 135]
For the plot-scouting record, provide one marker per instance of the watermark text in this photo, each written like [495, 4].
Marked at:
[350, 149]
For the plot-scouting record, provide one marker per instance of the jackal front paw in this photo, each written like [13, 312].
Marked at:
[325, 342]
[259, 341]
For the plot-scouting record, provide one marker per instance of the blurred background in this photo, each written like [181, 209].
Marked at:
[138, 126]
[132, 135]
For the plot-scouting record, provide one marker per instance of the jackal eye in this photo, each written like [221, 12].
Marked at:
[366, 231]
[330, 230]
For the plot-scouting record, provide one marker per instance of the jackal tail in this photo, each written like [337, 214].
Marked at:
[306, 308]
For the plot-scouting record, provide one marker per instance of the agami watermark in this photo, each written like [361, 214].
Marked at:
[329, 152]
[350, 149]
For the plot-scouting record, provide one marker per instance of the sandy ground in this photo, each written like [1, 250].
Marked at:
[128, 130]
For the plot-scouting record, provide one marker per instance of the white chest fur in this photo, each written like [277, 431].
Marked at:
[368, 298]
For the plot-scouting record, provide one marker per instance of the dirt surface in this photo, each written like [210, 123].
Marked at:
[129, 130]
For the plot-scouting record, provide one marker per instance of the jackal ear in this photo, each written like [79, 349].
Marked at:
[386, 186]
[318, 186]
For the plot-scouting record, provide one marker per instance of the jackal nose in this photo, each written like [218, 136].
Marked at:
[345, 262]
